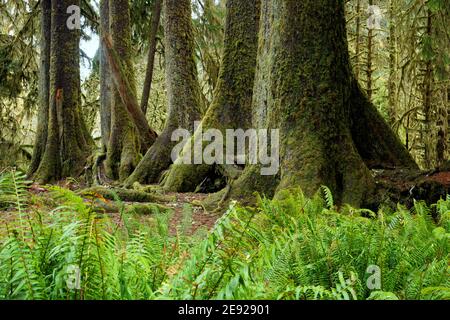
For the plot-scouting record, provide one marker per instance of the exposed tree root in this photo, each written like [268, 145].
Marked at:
[125, 195]
[100, 206]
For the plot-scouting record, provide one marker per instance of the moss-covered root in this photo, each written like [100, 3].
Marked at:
[125, 195]
[185, 178]
[102, 207]
[244, 190]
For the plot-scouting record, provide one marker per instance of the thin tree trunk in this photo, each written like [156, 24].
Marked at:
[427, 94]
[105, 76]
[358, 39]
[369, 62]
[156, 17]
[392, 86]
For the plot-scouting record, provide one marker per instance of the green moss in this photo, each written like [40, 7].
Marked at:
[232, 104]
[125, 195]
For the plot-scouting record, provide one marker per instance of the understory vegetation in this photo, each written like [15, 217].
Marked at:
[56, 246]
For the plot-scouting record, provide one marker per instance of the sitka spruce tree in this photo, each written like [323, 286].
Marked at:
[63, 143]
[330, 134]
[183, 90]
[232, 105]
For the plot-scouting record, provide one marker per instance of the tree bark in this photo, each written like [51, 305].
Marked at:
[358, 39]
[123, 145]
[183, 90]
[156, 17]
[44, 87]
[66, 147]
[105, 76]
[127, 91]
[329, 131]
[232, 104]
[392, 81]
[369, 60]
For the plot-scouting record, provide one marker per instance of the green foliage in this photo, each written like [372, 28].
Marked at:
[294, 248]
[46, 255]
[297, 248]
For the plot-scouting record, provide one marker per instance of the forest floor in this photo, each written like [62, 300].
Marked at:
[393, 186]
[198, 216]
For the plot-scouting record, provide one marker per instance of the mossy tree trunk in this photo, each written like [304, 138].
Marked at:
[183, 90]
[67, 146]
[330, 134]
[123, 145]
[105, 77]
[232, 104]
[44, 86]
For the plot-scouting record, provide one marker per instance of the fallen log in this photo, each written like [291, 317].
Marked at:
[124, 195]
[403, 186]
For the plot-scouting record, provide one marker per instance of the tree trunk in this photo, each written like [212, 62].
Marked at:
[123, 145]
[232, 105]
[44, 87]
[105, 76]
[392, 81]
[156, 17]
[183, 90]
[358, 39]
[66, 147]
[369, 60]
[329, 131]
[125, 86]
[427, 98]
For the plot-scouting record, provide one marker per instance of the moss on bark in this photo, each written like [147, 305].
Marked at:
[123, 146]
[231, 108]
[105, 77]
[66, 147]
[44, 87]
[183, 90]
[305, 88]
[125, 195]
